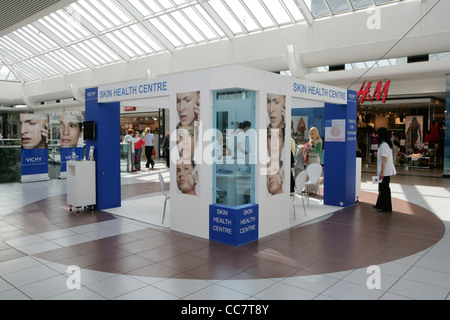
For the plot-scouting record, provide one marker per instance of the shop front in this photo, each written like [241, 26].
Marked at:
[417, 126]
[213, 112]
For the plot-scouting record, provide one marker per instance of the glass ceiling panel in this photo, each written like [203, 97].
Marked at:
[226, 16]
[358, 4]
[166, 32]
[189, 28]
[338, 6]
[153, 5]
[176, 30]
[242, 14]
[277, 10]
[90, 33]
[206, 18]
[260, 13]
[12, 50]
[62, 59]
[292, 9]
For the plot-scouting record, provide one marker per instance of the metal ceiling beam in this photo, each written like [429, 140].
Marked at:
[301, 5]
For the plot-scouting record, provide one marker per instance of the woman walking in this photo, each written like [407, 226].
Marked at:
[149, 145]
[385, 169]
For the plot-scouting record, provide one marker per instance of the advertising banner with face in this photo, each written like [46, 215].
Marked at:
[71, 137]
[276, 136]
[187, 132]
[34, 134]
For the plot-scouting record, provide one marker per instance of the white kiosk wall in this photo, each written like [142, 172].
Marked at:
[189, 213]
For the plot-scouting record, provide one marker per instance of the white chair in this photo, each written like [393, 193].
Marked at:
[166, 194]
[299, 186]
[314, 172]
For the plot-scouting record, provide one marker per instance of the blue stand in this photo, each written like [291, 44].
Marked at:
[233, 225]
[107, 149]
[340, 157]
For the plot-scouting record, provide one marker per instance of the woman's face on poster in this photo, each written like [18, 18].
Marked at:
[188, 107]
[275, 143]
[186, 142]
[33, 132]
[69, 133]
[186, 178]
[276, 109]
[275, 181]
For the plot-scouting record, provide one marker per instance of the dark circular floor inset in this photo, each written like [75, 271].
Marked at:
[352, 238]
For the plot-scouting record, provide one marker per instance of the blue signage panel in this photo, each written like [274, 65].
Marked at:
[340, 154]
[233, 225]
[70, 154]
[34, 161]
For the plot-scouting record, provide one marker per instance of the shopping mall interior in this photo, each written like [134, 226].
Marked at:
[394, 54]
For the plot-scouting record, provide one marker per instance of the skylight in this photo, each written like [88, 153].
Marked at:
[92, 33]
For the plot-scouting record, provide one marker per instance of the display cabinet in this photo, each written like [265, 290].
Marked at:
[81, 184]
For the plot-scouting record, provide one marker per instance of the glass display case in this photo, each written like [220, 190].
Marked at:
[10, 151]
[234, 166]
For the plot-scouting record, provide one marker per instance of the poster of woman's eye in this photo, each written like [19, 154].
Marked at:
[34, 135]
[276, 136]
[187, 137]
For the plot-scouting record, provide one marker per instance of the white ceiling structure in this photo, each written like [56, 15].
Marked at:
[50, 49]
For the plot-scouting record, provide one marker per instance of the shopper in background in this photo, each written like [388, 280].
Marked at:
[138, 149]
[299, 160]
[395, 147]
[149, 145]
[126, 139]
[385, 169]
[315, 149]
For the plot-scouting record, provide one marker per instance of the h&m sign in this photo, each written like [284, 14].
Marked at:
[377, 94]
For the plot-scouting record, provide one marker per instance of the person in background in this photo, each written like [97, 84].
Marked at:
[315, 149]
[126, 139]
[385, 169]
[166, 148]
[149, 145]
[299, 160]
[138, 149]
[395, 147]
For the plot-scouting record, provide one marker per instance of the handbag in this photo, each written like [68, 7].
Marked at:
[154, 152]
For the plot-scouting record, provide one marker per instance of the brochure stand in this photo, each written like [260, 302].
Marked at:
[81, 184]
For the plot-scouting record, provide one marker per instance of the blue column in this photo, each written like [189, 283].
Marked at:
[107, 149]
[340, 156]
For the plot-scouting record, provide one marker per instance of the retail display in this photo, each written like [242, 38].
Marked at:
[81, 184]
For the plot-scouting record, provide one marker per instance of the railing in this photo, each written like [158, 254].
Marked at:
[11, 161]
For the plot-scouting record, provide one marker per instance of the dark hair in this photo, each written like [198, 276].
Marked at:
[384, 136]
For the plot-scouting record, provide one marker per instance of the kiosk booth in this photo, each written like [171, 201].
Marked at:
[230, 144]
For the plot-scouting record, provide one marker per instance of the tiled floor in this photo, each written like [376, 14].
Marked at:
[124, 258]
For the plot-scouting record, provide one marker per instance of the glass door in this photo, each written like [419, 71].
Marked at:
[235, 154]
